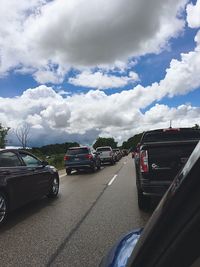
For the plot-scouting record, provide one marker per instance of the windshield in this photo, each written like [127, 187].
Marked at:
[103, 149]
[77, 151]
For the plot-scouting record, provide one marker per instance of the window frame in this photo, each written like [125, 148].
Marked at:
[28, 154]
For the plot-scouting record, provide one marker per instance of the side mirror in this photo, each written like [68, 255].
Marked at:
[44, 163]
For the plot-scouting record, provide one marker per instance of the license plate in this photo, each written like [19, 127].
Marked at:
[76, 159]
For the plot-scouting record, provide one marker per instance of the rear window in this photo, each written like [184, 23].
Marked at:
[172, 136]
[9, 159]
[77, 151]
[103, 149]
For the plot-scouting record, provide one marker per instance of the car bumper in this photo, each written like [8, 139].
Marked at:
[106, 159]
[79, 165]
[155, 188]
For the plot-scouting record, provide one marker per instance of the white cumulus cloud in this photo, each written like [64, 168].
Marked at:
[43, 36]
[100, 80]
[193, 14]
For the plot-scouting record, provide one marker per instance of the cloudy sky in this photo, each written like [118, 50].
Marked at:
[75, 70]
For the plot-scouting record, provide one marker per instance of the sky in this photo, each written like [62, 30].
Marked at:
[75, 70]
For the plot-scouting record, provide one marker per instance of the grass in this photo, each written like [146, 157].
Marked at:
[56, 161]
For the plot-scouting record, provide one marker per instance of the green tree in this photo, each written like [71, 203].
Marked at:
[132, 142]
[3, 133]
[103, 141]
[196, 126]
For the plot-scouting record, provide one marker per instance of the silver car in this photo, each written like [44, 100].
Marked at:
[106, 154]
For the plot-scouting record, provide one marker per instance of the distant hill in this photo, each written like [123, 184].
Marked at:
[53, 149]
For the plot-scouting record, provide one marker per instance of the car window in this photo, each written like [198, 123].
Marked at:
[9, 159]
[77, 151]
[29, 160]
[104, 149]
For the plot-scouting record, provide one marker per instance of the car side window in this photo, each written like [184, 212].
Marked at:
[9, 159]
[29, 160]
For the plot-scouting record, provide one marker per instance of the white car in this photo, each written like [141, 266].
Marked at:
[106, 154]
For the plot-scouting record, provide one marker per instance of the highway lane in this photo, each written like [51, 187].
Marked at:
[77, 228]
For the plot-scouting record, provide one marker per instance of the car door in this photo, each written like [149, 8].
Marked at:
[15, 178]
[41, 175]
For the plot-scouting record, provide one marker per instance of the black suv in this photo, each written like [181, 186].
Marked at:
[23, 178]
[78, 158]
[160, 156]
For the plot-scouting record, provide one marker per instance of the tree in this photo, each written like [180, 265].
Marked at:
[132, 142]
[22, 134]
[103, 141]
[54, 148]
[3, 133]
[196, 126]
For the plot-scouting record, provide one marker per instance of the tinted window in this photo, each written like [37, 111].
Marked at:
[9, 159]
[104, 149]
[29, 160]
[172, 136]
[77, 151]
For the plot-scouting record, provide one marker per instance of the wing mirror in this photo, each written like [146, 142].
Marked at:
[45, 163]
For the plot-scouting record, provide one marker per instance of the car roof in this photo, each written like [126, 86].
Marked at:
[172, 129]
[13, 150]
[104, 146]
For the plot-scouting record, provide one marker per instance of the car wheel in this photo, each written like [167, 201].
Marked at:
[144, 202]
[99, 166]
[3, 208]
[54, 188]
[94, 167]
[68, 172]
[112, 162]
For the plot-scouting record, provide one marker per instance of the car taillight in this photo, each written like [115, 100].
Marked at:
[89, 156]
[66, 157]
[144, 166]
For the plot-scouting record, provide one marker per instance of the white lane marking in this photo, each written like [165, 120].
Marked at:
[62, 175]
[112, 180]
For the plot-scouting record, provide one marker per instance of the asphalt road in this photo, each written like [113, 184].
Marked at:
[78, 228]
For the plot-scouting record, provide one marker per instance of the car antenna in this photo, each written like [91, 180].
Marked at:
[170, 124]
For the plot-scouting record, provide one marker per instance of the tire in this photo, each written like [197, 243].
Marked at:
[68, 172]
[99, 166]
[112, 162]
[54, 188]
[93, 168]
[3, 208]
[144, 202]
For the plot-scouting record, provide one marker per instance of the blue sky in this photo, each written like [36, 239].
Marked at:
[70, 79]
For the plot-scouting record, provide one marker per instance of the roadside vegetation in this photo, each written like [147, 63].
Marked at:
[54, 153]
